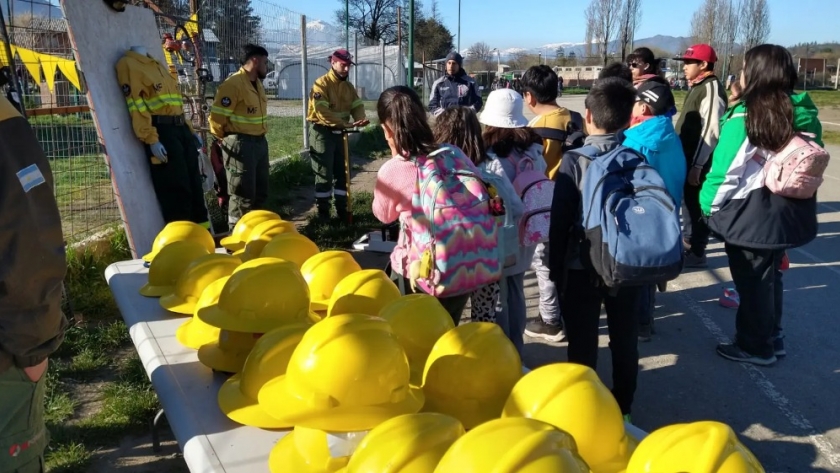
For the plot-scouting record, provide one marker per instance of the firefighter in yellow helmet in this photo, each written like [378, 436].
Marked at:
[157, 117]
[238, 118]
[333, 106]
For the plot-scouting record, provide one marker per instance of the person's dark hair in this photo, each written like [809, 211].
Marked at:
[616, 69]
[611, 102]
[770, 77]
[253, 50]
[400, 108]
[645, 55]
[459, 126]
[541, 82]
[503, 141]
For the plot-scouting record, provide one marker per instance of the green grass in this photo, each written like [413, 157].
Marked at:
[85, 280]
[575, 91]
[825, 98]
[339, 235]
[831, 137]
[285, 136]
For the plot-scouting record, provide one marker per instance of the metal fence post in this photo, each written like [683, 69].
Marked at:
[356, 57]
[382, 44]
[304, 74]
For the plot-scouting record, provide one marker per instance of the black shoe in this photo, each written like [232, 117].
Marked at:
[732, 352]
[550, 332]
[779, 346]
[645, 333]
[662, 286]
[692, 261]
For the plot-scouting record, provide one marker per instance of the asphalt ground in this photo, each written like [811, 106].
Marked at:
[787, 414]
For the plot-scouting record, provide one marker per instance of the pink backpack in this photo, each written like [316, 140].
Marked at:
[537, 193]
[796, 171]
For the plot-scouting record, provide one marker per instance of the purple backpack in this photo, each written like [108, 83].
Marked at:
[537, 192]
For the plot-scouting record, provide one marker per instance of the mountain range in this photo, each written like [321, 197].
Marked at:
[668, 44]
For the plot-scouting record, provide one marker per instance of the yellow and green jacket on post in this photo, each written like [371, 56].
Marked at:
[240, 107]
[333, 101]
[149, 90]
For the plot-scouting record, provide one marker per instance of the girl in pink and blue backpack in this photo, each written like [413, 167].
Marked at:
[448, 243]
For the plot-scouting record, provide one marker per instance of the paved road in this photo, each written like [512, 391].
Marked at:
[789, 414]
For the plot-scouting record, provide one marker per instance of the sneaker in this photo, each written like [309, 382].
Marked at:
[645, 333]
[732, 352]
[692, 261]
[662, 286]
[730, 298]
[779, 346]
[539, 329]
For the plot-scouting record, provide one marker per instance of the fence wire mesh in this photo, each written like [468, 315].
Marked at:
[56, 105]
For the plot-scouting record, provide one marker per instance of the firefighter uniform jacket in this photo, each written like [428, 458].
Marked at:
[149, 90]
[240, 107]
[32, 262]
[333, 101]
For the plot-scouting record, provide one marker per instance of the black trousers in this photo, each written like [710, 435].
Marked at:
[582, 315]
[177, 182]
[647, 303]
[695, 229]
[758, 279]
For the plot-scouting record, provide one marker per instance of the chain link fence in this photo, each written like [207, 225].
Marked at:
[212, 36]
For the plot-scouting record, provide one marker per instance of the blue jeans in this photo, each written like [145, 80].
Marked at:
[510, 313]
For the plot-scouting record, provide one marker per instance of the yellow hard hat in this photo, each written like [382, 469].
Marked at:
[267, 360]
[260, 299]
[363, 292]
[702, 447]
[242, 229]
[195, 278]
[413, 443]
[229, 352]
[292, 247]
[572, 398]
[349, 373]
[261, 235]
[181, 231]
[513, 445]
[470, 373]
[313, 451]
[169, 264]
[323, 272]
[194, 333]
[418, 320]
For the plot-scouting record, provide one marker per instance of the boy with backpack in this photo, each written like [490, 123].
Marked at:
[561, 130]
[699, 131]
[614, 230]
[652, 134]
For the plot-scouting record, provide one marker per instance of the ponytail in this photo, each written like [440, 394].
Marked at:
[400, 108]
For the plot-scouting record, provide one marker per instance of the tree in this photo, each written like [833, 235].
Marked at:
[755, 22]
[434, 14]
[480, 57]
[234, 23]
[431, 38]
[559, 53]
[717, 22]
[602, 19]
[376, 20]
[631, 16]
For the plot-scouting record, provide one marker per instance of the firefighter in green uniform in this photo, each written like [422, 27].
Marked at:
[334, 106]
[238, 119]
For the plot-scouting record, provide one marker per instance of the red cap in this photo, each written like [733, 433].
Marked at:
[699, 52]
[343, 56]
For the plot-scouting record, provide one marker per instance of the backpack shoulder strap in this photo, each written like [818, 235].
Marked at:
[551, 133]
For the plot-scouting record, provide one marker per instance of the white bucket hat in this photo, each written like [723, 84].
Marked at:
[504, 110]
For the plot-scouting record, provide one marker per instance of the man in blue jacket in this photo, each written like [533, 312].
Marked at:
[454, 89]
[652, 134]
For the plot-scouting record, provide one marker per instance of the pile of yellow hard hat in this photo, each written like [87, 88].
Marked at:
[369, 381]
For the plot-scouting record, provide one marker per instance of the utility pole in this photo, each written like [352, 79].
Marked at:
[399, 45]
[347, 25]
[410, 43]
[459, 26]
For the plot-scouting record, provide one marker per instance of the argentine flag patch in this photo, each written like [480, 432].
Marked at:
[30, 177]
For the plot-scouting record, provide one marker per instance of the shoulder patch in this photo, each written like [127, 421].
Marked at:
[126, 89]
[226, 101]
[316, 95]
[30, 177]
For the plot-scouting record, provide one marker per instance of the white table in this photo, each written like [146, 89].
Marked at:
[187, 389]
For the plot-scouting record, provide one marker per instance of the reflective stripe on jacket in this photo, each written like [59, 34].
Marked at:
[240, 107]
[149, 89]
[333, 101]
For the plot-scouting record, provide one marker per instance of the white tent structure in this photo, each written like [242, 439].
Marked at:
[367, 75]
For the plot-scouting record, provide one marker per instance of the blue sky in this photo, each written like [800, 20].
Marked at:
[507, 23]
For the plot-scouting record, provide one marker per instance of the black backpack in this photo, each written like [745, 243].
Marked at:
[572, 138]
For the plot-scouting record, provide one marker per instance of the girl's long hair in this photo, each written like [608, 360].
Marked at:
[503, 141]
[770, 77]
[646, 56]
[400, 108]
[459, 126]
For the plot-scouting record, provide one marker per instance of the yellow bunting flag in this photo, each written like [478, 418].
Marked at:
[30, 60]
[68, 68]
[50, 64]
